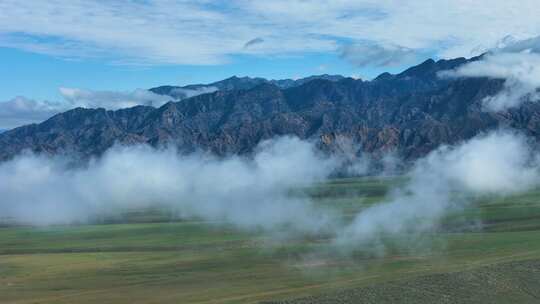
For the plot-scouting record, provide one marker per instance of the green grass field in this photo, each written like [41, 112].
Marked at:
[147, 258]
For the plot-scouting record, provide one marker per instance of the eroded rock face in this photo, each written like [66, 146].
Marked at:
[410, 113]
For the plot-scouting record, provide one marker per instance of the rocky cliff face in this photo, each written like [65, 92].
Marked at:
[410, 113]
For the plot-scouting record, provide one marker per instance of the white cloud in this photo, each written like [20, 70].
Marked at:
[375, 55]
[511, 44]
[20, 110]
[112, 100]
[206, 32]
[498, 163]
[520, 71]
[254, 193]
[250, 193]
[515, 61]
[182, 93]
[501, 162]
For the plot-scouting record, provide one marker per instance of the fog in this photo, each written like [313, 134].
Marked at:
[446, 180]
[515, 61]
[250, 193]
[182, 93]
[519, 70]
[260, 192]
[111, 100]
[20, 110]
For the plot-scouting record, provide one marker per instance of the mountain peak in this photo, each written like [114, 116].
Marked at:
[236, 83]
[384, 76]
[420, 70]
[412, 113]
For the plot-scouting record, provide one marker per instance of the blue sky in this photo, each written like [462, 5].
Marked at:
[64, 53]
[39, 76]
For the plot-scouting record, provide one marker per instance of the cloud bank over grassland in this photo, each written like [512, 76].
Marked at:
[446, 180]
[251, 193]
[254, 193]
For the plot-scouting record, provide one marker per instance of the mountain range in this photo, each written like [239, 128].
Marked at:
[235, 83]
[410, 113]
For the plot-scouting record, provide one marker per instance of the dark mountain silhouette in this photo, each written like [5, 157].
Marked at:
[410, 113]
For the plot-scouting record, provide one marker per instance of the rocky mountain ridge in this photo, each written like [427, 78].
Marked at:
[410, 113]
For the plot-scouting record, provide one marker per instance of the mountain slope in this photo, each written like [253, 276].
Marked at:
[411, 113]
[235, 83]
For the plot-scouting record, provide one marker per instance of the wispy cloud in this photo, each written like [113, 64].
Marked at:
[21, 110]
[111, 99]
[517, 62]
[377, 55]
[204, 32]
[253, 193]
[449, 178]
[250, 193]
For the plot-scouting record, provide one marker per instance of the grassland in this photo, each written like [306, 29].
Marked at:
[145, 257]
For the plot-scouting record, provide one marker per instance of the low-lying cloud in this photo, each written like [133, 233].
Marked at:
[518, 63]
[260, 192]
[378, 55]
[111, 100]
[182, 93]
[449, 178]
[251, 193]
[21, 110]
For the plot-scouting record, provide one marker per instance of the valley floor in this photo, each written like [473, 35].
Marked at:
[507, 282]
[147, 258]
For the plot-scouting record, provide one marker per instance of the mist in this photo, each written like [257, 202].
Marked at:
[517, 62]
[111, 100]
[248, 192]
[20, 110]
[445, 181]
[519, 71]
[260, 192]
[183, 93]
